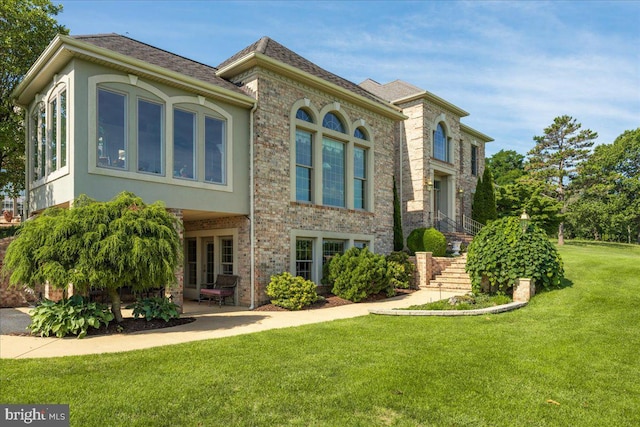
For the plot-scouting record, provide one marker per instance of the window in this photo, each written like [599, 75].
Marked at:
[304, 258]
[226, 255]
[184, 144]
[214, 150]
[150, 145]
[330, 162]
[331, 248]
[359, 177]
[112, 140]
[191, 249]
[34, 129]
[333, 173]
[474, 160]
[141, 130]
[440, 144]
[53, 149]
[360, 244]
[63, 128]
[43, 141]
[304, 165]
[331, 121]
[303, 115]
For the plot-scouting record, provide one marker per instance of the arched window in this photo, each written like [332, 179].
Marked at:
[360, 134]
[440, 144]
[331, 121]
[303, 115]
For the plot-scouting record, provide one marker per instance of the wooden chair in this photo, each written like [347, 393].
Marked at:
[224, 287]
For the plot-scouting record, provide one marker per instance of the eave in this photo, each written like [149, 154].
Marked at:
[64, 48]
[435, 99]
[477, 134]
[257, 59]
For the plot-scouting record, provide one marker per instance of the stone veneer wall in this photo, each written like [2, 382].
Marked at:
[415, 140]
[14, 297]
[243, 249]
[276, 215]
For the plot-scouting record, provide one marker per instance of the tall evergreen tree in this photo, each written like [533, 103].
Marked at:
[556, 155]
[484, 207]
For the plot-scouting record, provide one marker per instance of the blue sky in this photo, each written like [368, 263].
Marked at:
[513, 65]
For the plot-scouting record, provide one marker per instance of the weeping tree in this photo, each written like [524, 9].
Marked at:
[97, 245]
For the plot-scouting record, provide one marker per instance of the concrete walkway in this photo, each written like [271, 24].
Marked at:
[212, 322]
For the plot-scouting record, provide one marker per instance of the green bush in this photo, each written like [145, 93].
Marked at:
[292, 293]
[504, 251]
[358, 273]
[400, 270]
[68, 317]
[427, 240]
[155, 308]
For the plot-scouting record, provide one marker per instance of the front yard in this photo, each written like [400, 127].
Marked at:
[569, 358]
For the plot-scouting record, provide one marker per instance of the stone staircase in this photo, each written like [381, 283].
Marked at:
[458, 237]
[454, 277]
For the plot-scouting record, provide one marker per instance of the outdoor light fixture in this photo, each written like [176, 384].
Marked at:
[428, 184]
[524, 220]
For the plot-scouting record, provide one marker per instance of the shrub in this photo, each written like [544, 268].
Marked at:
[427, 240]
[68, 317]
[400, 270]
[503, 251]
[155, 308]
[358, 273]
[292, 293]
[434, 241]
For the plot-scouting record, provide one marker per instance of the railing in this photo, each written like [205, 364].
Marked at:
[471, 226]
[447, 225]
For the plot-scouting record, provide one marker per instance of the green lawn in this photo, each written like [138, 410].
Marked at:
[570, 358]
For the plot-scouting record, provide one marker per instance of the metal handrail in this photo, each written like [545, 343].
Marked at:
[471, 226]
[447, 225]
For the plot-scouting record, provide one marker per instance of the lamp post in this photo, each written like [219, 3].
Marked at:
[524, 221]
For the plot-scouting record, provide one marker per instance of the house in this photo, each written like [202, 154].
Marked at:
[271, 163]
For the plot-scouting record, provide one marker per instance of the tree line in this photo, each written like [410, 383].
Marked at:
[568, 187]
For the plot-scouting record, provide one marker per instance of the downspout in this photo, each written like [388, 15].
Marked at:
[252, 257]
[400, 180]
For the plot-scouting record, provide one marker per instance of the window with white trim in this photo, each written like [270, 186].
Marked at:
[304, 258]
[226, 255]
[48, 134]
[474, 160]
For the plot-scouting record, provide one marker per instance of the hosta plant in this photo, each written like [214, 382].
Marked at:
[155, 308]
[71, 316]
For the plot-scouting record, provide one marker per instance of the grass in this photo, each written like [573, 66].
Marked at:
[570, 358]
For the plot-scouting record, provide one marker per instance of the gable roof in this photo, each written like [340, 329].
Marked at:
[391, 91]
[399, 92]
[162, 58]
[270, 48]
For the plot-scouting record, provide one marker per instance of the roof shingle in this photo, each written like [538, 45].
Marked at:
[153, 55]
